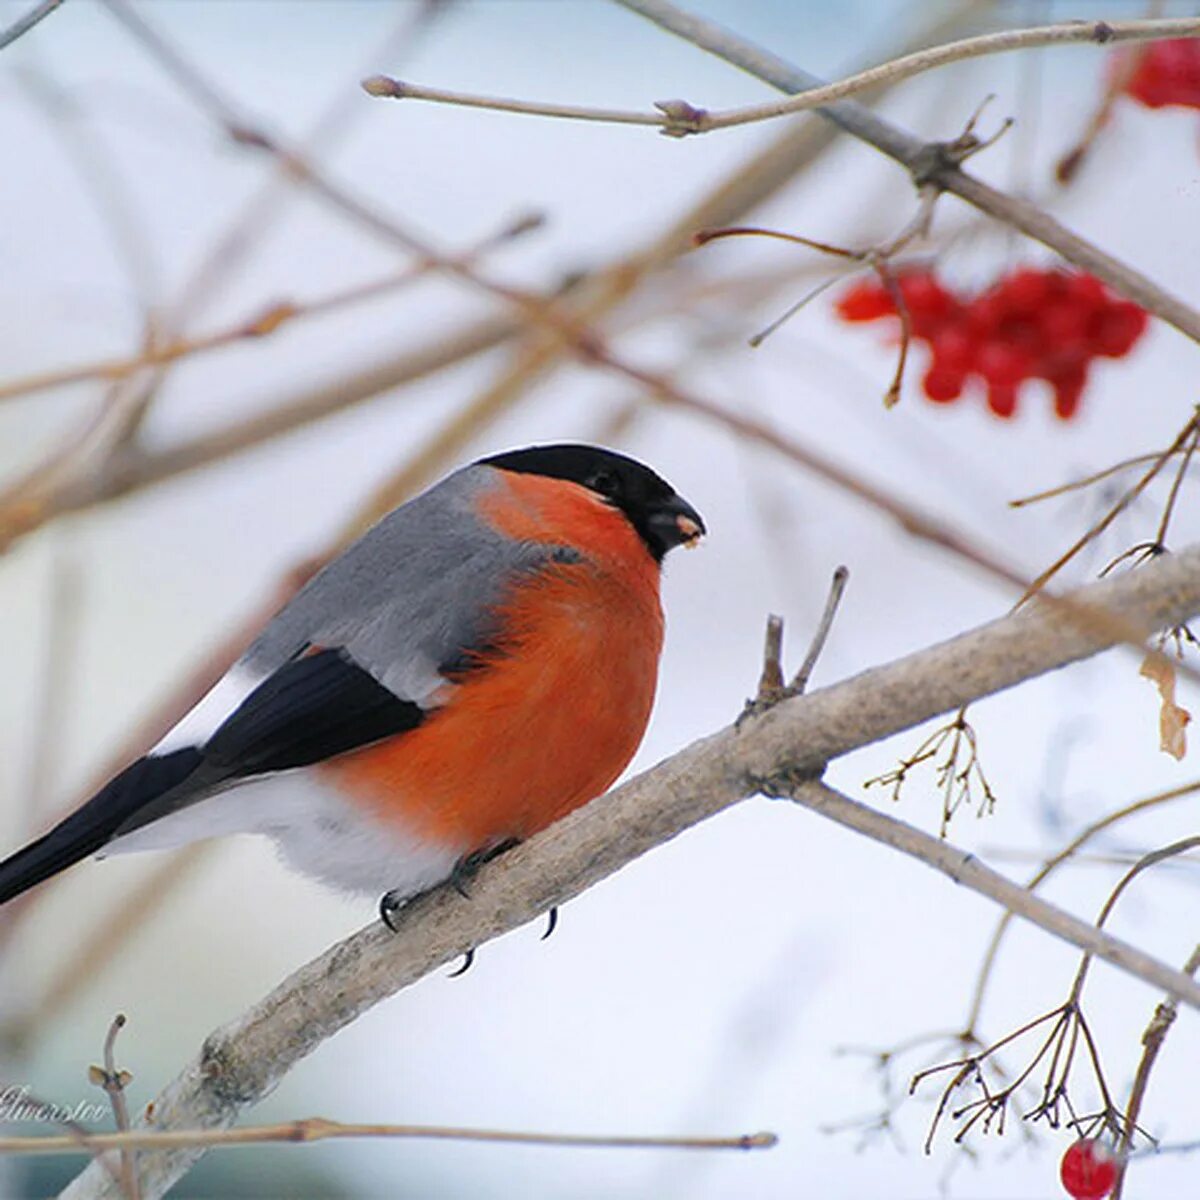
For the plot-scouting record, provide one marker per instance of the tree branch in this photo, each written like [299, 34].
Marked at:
[241, 1062]
[677, 118]
[318, 1129]
[24, 24]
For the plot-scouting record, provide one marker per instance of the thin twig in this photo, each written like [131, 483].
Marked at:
[24, 24]
[1096, 477]
[1122, 503]
[1068, 165]
[770, 682]
[114, 1082]
[1152, 1043]
[1160, 538]
[396, 89]
[912, 520]
[837, 588]
[1048, 868]
[1144, 863]
[319, 1129]
[678, 118]
[266, 322]
[51, 705]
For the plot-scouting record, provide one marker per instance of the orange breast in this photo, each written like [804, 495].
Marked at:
[553, 717]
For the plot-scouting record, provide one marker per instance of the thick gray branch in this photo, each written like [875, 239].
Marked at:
[244, 1060]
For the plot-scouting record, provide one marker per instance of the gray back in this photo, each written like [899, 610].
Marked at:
[412, 593]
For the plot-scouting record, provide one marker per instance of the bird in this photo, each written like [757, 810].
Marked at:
[482, 661]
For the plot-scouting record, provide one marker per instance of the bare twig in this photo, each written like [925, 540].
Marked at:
[114, 1082]
[24, 24]
[52, 704]
[1123, 502]
[1069, 164]
[319, 1129]
[678, 118]
[772, 685]
[837, 588]
[1152, 1043]
[1096, 476]
[264, 323]
[770, 682]
[1144, 863]
[795, 738]
[1048, 868]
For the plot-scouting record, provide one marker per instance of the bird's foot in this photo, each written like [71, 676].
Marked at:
[468, 959]
[389, 904]
[467, 866]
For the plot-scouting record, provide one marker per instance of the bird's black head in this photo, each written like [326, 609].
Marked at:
[661, 518]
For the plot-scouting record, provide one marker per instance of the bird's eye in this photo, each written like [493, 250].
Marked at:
[606, 483]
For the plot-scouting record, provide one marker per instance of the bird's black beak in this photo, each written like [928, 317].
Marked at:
[676, 523]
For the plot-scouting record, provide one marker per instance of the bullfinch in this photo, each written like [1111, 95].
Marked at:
[478, 664]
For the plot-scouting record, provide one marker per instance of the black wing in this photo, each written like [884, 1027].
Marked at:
[310, 709]
[88, 828]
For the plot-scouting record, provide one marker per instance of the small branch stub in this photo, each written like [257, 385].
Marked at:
[682, 118]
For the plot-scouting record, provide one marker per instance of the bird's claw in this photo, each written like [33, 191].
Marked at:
[389, 905]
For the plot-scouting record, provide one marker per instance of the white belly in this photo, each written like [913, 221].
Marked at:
[315, 831]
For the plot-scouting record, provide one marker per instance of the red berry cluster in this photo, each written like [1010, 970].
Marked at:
[1088, 1169]
[1030, 324]
[1163, 73]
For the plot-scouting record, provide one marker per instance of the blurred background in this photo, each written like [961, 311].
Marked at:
[715, 985]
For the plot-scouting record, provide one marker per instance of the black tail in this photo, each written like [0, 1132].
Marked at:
[89, 827]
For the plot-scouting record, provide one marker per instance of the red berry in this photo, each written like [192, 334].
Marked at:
[1167, 73]
[984, 315]
[930, 306]
[1002, 399]
[924, 295]
[1088, 1170]
[1022, 333]
[1033, 323]
[954, 348]
[1003, 364]
[1117, 329]
[1068, 391]
[865, 301]
[1025, 290]
[1087, 291]
[1064, 323]
[943, 384]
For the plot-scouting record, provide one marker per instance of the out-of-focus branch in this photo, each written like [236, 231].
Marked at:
[98, 466]
[773, 752]
[678, 118]
[92, 475]
[928, 163]
[265, 323]
[24, 24]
